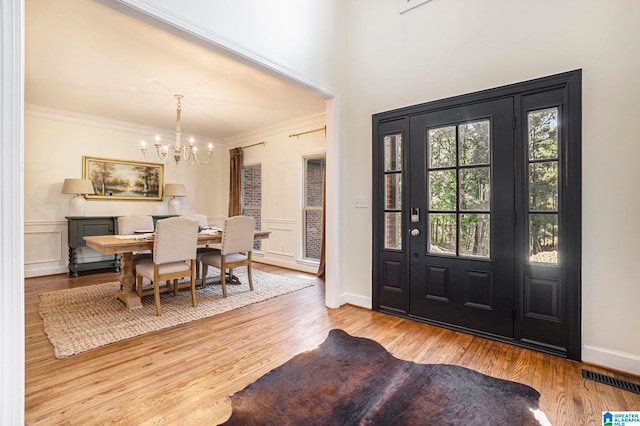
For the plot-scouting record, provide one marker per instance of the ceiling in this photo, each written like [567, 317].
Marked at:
[84, 57]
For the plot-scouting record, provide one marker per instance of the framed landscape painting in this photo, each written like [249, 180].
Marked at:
[123, 180]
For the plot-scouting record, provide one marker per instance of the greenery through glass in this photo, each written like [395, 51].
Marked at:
[459, 179]
[442, 147]
[544, 175]
[442, 233]
[474, 234]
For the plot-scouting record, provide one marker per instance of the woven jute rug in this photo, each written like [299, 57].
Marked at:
[83, 318]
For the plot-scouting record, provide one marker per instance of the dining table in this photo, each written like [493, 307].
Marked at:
[126, 245]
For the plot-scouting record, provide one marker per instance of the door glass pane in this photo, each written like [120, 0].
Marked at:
[543, 186]
[474, 234]
[543, 133]
[393, 191]
[543, 238]
[442, 233]
[474, 188]
[393, 230]
[393, 153]
[442, 190]
[474, 143]
[442, 147]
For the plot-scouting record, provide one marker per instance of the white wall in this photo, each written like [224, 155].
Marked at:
[447, 48]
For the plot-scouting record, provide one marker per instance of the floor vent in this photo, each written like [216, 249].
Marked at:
[612, 381]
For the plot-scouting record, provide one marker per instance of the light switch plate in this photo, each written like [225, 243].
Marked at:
[362, 202]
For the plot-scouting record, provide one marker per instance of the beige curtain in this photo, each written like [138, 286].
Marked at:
[320, 272]
[235, 182]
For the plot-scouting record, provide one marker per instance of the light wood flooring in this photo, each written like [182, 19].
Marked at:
[184, 374]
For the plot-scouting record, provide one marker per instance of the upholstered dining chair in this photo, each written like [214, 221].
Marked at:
[174, 256]
[235, 250]
[206, 249]
[128, 225]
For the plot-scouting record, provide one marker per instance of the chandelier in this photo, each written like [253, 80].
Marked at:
[177, 150]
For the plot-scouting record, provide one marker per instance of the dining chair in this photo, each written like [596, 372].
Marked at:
[235, 250]
[129, 225]
[174, 256]
[205, 249]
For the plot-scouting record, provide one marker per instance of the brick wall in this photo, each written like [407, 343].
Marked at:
[252, 196]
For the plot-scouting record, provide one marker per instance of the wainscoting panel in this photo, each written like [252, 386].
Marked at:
[282, 240]
[45, 248]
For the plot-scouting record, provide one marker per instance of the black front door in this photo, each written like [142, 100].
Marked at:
[461, 240]
[476, 213]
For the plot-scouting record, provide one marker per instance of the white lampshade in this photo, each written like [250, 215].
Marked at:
[78, 187]
[174, 190]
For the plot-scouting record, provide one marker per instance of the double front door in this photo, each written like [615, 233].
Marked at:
[472, 215]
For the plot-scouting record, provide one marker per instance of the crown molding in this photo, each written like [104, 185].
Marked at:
[55, 114]
[317, 118]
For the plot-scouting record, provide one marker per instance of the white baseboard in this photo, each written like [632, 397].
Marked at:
[285, 264]
[356, 300]
[30, 272]
[608, 358]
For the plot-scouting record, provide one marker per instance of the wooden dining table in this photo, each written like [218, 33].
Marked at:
[126, 245]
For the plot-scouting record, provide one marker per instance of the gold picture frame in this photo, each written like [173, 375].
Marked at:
[123, 180]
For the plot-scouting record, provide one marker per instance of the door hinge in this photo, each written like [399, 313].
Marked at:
[514, 121]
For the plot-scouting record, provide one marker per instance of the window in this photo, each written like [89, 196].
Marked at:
[393, 191]
[459, 175]
[252, 196]
[314, 173]
[542, 144]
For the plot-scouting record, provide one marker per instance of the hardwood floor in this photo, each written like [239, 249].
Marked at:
[184, 374]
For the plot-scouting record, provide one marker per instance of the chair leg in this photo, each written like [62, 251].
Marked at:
[139, 285]
[193, 284]
[223, 280]
[250, 277]
[205, 268]
[175, 287]
[156, 293]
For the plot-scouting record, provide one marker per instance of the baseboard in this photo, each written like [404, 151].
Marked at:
[285, 264]
[356, 300]
[614, 360]
[30, 272]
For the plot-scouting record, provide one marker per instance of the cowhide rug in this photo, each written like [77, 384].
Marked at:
[355, 381]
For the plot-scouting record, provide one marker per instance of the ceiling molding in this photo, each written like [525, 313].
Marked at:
[287, 126]
[104, 123]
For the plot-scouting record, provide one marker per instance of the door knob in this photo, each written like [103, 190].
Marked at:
[415, 232]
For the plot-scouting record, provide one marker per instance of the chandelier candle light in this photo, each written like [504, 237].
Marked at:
[177, 151]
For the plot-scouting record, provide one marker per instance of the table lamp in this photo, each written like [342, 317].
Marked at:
[174, 190]
[78, 187]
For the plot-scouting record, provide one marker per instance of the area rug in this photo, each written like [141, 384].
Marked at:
[355, 381]
[83, 318]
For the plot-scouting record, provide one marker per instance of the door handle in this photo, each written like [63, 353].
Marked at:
[415, 232]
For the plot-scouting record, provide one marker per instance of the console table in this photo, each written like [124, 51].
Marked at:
[85, 226]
